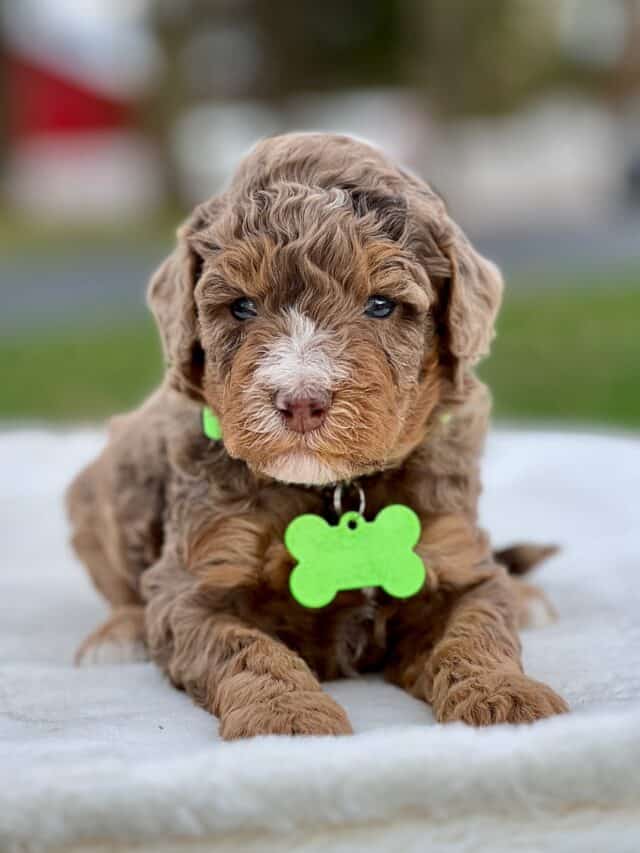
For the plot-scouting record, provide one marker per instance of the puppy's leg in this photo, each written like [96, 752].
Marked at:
[251, 681]
[473, 671]
[96, 535]
[121, 639]
[261, 687]
[115, 506]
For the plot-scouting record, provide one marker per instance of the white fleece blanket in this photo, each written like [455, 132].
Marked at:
[98, 759]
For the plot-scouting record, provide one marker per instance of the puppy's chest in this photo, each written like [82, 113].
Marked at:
[360, 639]
[346, 637]
[243, 557]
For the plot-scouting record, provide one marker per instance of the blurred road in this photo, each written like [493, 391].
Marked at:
[524, 251]
[39, 291]
[60, 290]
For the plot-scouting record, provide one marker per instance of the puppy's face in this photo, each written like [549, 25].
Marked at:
[317, 328]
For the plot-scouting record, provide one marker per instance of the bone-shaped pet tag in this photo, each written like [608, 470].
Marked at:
[355, 554]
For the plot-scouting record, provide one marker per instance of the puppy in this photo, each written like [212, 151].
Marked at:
[330, 313]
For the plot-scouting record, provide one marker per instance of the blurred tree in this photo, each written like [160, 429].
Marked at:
[4, 111]
[465, 57]
[171, 24]
[625, 74]
[202, 45]
[600, 48]
[480, 57]
[222, 50]
[331, 45]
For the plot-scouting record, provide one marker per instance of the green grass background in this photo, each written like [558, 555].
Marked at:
[567, 349]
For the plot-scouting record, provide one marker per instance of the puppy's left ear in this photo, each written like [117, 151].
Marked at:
[474, 296]
[469, 285]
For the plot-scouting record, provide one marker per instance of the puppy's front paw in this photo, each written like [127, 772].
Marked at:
[295, 713]
[499, 698]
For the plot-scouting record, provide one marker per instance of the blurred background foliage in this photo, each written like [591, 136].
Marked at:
[116, 116]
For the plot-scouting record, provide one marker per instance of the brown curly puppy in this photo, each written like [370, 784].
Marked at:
[330, 313]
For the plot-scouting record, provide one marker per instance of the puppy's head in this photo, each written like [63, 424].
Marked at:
[318, 313]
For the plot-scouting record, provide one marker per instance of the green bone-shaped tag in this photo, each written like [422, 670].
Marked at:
[354, 554]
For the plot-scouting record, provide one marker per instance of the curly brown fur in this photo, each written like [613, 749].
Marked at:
[310, 227]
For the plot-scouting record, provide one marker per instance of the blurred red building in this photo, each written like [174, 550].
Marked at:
[75, 73]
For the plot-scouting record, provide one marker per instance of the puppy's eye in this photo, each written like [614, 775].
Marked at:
[243, 308]
[379, 307]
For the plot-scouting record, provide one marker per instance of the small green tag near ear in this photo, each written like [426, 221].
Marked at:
[355, 554]
[211, 425]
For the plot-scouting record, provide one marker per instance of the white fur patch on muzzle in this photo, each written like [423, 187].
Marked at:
[300, 363]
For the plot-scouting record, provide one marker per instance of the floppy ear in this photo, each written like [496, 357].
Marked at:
[170, 297]
[475, 292]
[469, 286]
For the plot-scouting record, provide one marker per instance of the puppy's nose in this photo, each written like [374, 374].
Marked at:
[302, 414]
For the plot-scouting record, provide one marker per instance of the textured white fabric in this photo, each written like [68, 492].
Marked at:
[103, 756]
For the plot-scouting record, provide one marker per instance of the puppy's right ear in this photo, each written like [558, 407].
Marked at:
[170, 297]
